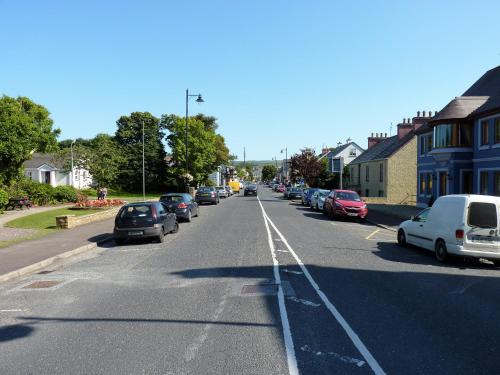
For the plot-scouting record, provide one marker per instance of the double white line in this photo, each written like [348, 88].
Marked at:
[290, 350]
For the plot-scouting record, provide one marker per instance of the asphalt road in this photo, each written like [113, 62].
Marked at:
[255, 286]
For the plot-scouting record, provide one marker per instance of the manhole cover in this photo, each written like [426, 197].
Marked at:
[42, 284]
[268, 289]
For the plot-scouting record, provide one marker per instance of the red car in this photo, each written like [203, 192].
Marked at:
[345, 203]
[281, 189]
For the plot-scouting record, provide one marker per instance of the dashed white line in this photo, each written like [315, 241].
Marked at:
[294, 272]
[304, 301]
[372, 362]
[342, 358]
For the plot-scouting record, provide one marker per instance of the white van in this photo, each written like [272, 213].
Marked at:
[464, 225]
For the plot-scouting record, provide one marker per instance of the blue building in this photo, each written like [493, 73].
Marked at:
[459, 148]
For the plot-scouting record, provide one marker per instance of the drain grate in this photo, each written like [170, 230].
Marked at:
[42, 284]
[266, 289]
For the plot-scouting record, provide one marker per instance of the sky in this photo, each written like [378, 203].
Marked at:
[276, 74]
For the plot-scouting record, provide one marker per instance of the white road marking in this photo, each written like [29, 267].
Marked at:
[294, 272]
[282, 251]
[372, 233]
[287, 333]
[304, 301]
[343, 358]
[338, 316]
[13, 310]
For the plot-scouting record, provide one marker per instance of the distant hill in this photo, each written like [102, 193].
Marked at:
[258, 163]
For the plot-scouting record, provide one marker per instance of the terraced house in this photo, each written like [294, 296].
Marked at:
[459, 149]
[387, 171]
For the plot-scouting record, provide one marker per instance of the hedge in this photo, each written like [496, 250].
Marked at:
[42, 194]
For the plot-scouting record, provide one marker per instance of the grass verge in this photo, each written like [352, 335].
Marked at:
[45, 220]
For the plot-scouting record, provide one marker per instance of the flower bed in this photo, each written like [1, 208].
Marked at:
[96, 203]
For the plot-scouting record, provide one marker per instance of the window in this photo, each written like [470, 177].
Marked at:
[496, 187]
[429, 184]
[482, 215]
[429, 142]
[443, 183]
[422, 216]
[484, 133]
[380, 193]
[381, 172]
[352, 152]
[31, 176]
[497, 130]
[422, 183]
[367, 173]
[453, 135]
[367, 192]
[467, 182]
[483, 183]
[425, 144]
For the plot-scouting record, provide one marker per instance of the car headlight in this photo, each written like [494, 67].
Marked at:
[363, 206]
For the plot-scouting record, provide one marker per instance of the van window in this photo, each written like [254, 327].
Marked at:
[483, 215]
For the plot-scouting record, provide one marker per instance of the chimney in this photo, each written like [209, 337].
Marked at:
[372, 141]
[325, 150]
[404, 128]
[421, 120]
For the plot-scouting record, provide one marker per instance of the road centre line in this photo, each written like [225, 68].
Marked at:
[372, 362]
[287, 333]
[370, 235]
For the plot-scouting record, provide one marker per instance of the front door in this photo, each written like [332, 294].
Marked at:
[443, 183]
[46, 177]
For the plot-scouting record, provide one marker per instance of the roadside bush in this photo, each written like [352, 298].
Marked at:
[65, 194]
[40, 194]
[4, 199]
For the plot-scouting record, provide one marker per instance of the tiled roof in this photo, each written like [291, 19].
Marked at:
[384, 149]
[37, 160]
[460, 107]
[339, 149]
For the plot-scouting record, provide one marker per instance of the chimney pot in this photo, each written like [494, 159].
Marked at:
[372, 135]
[435, 113]
[385, 135]
[404, 121]
[423, 114]
[409, 121]
[418, 113]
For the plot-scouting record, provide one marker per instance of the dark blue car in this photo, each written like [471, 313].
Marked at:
[307, 194]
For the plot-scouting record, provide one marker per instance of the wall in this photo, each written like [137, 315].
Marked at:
[374, 185]
[402, 174]
[71, 221]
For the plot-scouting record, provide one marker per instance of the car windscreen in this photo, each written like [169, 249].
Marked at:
[172, 198]
[132, 212]
[205, 190]
[482, 215]
[296, 190]
[348, 196]
[220, 188]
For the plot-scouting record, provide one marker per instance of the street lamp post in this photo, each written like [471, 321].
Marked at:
[285, 168]
[143, 166]
[198, 100]
[72, 167]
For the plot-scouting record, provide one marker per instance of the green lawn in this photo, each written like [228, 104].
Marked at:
[45, 220]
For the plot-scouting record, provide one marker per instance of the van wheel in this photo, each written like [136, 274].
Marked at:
[176, 228]
[440, 251]
[401, 238]
[197, 212]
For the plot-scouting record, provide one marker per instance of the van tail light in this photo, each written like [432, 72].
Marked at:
[182, 205]
[154, 213]
[459, 234]
[213, 194]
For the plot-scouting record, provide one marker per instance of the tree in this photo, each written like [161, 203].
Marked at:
[269, 172]
[128, 137]
[25, 128]
[306, 165]
[202, 159]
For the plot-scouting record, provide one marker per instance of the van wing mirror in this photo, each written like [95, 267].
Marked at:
[412, 218]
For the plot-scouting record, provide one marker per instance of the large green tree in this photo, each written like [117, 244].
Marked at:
[128, 137]
[25, 128]
[202, 149]
[269, 172]
[306, 165]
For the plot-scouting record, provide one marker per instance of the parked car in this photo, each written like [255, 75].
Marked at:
[280, 189]
[221, 190]
[207, 194]
[250, 190]
[295, 193]
[229, 191]
[318, 199]
[307, 194]
[345, 203]
[144, 220]
[183, 204]
[465, 225]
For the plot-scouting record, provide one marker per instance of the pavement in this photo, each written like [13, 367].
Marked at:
[255, 285]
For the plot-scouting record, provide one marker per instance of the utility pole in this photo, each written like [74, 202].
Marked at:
[72, 167]
[143, 166]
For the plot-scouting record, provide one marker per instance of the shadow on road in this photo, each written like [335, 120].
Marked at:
[14, 332]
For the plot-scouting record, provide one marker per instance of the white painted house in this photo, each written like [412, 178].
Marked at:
[45, 169]
[348, 152]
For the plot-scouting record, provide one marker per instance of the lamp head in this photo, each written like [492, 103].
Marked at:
[199, 99]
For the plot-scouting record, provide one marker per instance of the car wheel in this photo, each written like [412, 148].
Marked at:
[161, 236]
[189, 217]
[401, 238]
[176, 228]
[119, 241]
[440, 251]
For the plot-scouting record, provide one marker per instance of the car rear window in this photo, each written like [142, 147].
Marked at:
[172, 198]
[132, 212]
[483, 215]
[205, 189]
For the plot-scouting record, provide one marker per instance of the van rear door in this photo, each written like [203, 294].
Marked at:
[482, 221]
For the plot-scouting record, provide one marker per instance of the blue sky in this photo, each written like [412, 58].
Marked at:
[275, 73]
